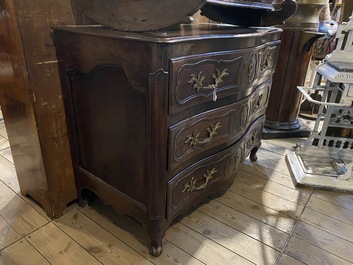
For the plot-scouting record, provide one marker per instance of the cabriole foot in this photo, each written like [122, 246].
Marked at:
[156, 251]
[253, 156]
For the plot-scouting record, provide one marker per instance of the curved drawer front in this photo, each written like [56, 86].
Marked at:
[209, 175]
[201, 78]
[194, 136]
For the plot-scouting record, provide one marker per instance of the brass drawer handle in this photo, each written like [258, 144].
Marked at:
[192, 139]
[197, 80]
[190, 186]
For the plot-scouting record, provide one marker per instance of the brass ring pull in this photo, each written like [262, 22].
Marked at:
[197, 81]
[191, 185]
[192, 139]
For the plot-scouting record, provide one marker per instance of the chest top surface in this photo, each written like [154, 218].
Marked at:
[180, 33]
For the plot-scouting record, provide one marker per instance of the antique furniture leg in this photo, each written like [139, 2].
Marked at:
[253, 156]
[156, 231]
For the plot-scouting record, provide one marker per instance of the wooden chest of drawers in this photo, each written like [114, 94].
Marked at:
[158, 121]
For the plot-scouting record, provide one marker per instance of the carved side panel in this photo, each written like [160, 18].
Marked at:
[235, 160]
[111, 129]
[268, 60]
[249, 70]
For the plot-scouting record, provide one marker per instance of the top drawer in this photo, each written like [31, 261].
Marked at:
[197, 79]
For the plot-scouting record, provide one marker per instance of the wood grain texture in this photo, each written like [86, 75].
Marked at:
[267, 173]
[288, 193]
[22, 252]
[7, 234]
[8, 172]
[59, 248]
[3, 131]
[135, 236]
[31, 99]
[258, 211]
[311, 254]
[201, 247]
[15, 102]
[340, 199]
[246, 224]
[330, 209]
[285, 100]
[20, 215]
[328, 223]
[104, 246]
[288, 260]
[242, 244]
[35, 20]
[325, 240]
[6, 153]
[267, 199]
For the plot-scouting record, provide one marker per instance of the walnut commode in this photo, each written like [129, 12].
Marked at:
[158, 121]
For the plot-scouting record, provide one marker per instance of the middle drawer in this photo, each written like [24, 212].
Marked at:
[192, 138]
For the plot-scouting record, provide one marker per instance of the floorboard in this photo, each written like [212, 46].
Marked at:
[325, 240]
[267, 199]
[328, 223]
[104, 246]
[233, 240]
[258, 211]
[135, 236]
[22, 252]
[263, 218]
[58, 248]
[16, 212]
[201, 247]
[342, 199]
[8, 235]
[311, 254]
[288, 193]
[246, 224]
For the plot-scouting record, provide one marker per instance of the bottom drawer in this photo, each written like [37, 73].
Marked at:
[211, 174]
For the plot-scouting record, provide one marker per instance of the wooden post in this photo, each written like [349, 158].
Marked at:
[30, 98]
[284, 103]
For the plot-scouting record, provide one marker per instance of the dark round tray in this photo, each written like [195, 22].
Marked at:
[139, 15]
[248, 13]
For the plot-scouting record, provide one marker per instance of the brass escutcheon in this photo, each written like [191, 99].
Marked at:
[197, 81]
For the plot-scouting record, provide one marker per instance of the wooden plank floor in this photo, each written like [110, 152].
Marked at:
[262, 219]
